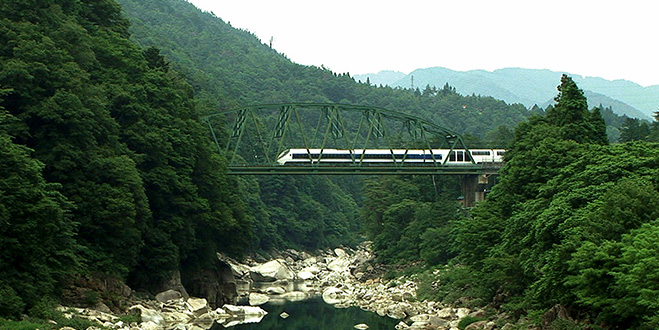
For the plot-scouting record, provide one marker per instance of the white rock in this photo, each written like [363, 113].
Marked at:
[361, 326]
[313, 269]
[446, 313]
[271, 271]
[340, 252]
[305, 275]
[340, 264]
[256, 299]
[197, 304]
[149, 325]
[284, 315]
[148, 315]
[332, 295]
[462, 312]
[401, 326]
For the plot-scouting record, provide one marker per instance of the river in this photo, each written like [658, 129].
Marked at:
[313, 313]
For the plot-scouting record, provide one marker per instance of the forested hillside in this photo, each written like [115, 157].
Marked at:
[105, 167]
[233, 68]
[106, 170]
[572, 224]
[229, 68]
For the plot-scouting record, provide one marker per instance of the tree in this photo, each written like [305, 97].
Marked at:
[36, 229]
[571, 115]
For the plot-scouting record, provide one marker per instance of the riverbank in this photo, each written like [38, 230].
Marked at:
[342, 277]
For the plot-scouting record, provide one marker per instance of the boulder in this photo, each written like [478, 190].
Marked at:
[256, 299]
[305, 275]
[340, 264]
[168, 295]
[446, 313]
[462, 312]
[284, 315]
[333, 295]
[361, 326]
[402, 326]
[340, 252]
[150, 326]
[174, 283]
[271, 271]
[197, 305]
[239, 270]
[215, 283]
[148, 315]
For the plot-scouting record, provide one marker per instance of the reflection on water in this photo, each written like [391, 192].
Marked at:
[315, 314]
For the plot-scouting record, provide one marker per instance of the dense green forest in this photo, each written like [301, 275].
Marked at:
[573, 221]
[106, 170]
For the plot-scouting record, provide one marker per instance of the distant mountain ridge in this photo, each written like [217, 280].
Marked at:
[529, 87]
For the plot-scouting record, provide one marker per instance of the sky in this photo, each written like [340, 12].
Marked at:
[608, 39]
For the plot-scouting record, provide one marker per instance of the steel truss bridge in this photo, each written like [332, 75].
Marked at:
[259, 133]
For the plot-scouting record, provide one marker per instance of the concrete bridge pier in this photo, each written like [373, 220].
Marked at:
[474, 187]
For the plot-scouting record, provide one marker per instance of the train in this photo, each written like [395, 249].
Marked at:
[390, 156]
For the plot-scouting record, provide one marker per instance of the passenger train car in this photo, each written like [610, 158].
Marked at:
[389, 156]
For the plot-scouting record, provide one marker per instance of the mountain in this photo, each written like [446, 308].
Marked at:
[532, 86]
[380, 78]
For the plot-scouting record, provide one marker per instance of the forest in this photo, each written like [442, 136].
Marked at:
[106, 171]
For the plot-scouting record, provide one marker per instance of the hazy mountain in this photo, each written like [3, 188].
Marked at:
[380, 78]
[530, 86]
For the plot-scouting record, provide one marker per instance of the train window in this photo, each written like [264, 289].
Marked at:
[457, 155]
[501, 152]
[480, 153]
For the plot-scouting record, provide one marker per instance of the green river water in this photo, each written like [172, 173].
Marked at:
[315, 314]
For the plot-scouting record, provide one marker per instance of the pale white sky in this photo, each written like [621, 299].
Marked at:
[609, 39]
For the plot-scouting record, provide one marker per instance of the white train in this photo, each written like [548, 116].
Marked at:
[384, 156]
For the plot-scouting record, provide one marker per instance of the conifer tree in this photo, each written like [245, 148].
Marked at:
[572, 117]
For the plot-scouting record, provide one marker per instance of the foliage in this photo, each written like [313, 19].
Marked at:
[568, 220]
[36, 232]
[405, 217]
[105, 167]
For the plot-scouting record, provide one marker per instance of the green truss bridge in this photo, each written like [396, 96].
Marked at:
[327, 139]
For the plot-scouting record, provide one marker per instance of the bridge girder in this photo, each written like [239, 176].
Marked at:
[259, 133]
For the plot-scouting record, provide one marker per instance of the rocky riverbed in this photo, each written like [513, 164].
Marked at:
[342, 277]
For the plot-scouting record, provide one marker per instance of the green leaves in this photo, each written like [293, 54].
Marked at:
[36, 231]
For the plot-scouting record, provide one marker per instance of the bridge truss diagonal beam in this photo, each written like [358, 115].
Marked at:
[252, 137]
